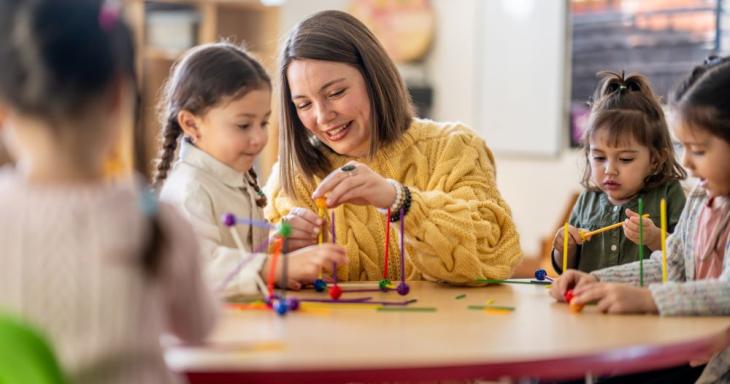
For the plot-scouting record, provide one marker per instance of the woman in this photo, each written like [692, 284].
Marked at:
[348, 134]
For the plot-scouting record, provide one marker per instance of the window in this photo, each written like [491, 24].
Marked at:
[662, 39]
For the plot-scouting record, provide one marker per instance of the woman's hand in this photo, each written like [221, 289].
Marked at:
[356, 183]
[305, 227]
[652, 234]
[616, 297]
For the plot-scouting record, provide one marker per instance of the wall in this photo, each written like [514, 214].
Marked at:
[535, 187]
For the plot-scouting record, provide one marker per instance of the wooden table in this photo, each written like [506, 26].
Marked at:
[347, 343]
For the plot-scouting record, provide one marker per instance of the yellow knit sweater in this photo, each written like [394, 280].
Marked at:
[458, 228]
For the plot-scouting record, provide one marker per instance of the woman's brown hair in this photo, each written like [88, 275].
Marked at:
[339, 37]
[202, 78]
[626, 106]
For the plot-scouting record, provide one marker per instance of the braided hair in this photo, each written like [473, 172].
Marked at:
[204, 76]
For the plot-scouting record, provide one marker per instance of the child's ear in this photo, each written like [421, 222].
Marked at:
[656, 160]
[189, 124]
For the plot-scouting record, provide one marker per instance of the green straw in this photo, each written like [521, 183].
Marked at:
[641, 243]
[499, 307]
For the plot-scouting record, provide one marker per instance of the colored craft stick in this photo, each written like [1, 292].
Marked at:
[243, 261]
[350, 301]
[361, 290]
[284, 267]
[641, 243]
[565, 247]
[663, 219]
[321, 203]
[587, 235]
[407, 309]
[402, 248]
[496, 281]
[334, 241]
[275, 251]
[497, 307]
[387, 245]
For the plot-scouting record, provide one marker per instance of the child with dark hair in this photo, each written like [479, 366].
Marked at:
[217, 105]
[628, 155]
[99, 266]
[697, 264]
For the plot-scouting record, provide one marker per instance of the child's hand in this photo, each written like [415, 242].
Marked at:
[652, 234]
[305, 227]
[719, 345]
[615, 297]
[305, 264]
[568, 280]
[573, 239]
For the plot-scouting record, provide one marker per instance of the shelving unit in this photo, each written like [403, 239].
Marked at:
[240, 21]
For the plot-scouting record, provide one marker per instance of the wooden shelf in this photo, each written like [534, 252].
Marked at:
[247, 22]
[161, 54]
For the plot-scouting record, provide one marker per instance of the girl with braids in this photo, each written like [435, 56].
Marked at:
[97, 265]
[698, 266]
[217, 104]
[628, 155]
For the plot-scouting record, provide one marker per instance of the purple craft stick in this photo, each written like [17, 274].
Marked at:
[363, 300]
[334, 240]
[402, 253]
[348, 301]
[241, 264]
[364, 290]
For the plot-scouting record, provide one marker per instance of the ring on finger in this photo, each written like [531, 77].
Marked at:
[349, 169]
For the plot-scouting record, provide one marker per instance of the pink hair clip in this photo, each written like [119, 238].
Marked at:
[108, 16]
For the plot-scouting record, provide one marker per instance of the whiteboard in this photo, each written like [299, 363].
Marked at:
[521, 74]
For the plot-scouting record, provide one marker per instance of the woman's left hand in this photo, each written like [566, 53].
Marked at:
[616, 297]
[356, 183]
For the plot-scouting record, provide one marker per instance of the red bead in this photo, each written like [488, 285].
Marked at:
[335, 292]
[568, 296]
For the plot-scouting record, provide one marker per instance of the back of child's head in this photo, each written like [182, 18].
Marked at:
[205, 77]
[702, 100]
[627, 109]
[58, 57]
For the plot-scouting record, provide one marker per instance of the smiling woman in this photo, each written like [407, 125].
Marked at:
[349, 135]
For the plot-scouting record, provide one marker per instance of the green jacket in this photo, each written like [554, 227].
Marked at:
[593, 210]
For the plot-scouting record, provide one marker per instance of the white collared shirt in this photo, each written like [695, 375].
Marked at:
[205, 189]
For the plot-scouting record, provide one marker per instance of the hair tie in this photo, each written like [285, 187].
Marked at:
[148, 202]
[713, 60]
[108, 16]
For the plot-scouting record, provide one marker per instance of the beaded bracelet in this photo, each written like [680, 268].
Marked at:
[399, 195]
[406, 205]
